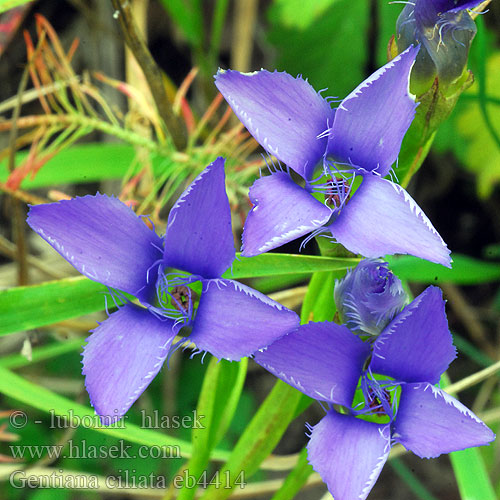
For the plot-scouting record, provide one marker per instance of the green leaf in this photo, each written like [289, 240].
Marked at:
[218, 400]
[318, 303]
[78, 164]
[28, 307]
[259, 439]
[297, 13]
[465, 270]
[274, 264]
[470, 471]
[272, 283]
[188, 16]
[218, 24]
[217, 403]
[39, 397]
[295, 479]
[310, 39]
[10, 4]
[42, 353]
[472, 476]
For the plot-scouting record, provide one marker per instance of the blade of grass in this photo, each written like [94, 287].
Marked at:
[465, 271]
[274, 264]
[470, 472]
[41, 353]
[28, 307]
[39, 397]
[258, 440]
[296, 479]
[411, 480]
[218, 399]
[10, 4]
[472, 476]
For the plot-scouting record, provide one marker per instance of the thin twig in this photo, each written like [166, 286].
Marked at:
[93, 123]
[290, 298]
[21, 195]
[468, 317]
[33, 94]
[18, 219]
[9, 249]
[473, 379]
[245, 15]
[151, 72]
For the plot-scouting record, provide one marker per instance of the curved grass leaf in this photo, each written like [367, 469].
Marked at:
[259, 439]
[18, 388]
[42, 353]
[28, 307]
[470, 470]
[218, 399]
[465, 270]
[296, 479]
[25, 308]
[10, 4]
[89, 163]
[277, 264]
[472, 477]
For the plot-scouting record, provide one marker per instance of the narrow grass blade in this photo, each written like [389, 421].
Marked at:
[26, 392]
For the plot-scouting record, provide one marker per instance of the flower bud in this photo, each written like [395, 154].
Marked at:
[369, 297]
[445, 31]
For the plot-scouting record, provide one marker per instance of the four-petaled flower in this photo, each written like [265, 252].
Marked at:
[362, 137]
[104, 240]
[397, 373]
[445, 29]
[369, 296]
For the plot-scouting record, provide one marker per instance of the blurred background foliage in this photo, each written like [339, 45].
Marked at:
[88, 122]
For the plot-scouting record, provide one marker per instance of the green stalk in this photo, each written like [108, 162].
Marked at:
[258, 441]
[296, 479]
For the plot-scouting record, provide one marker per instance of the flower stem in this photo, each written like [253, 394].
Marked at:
[151, 72]
[473, 379]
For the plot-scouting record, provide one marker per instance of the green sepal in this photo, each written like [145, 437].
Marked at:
[434, 108]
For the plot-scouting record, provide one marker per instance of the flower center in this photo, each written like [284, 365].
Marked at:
[176, 296]
[182, 297]
[376, 402]
[337, 192]
[377, 399]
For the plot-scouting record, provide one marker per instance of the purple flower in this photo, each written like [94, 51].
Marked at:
[360, 140]
[396, 375]
[369, 297]
[104, 240]
[445, 29]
